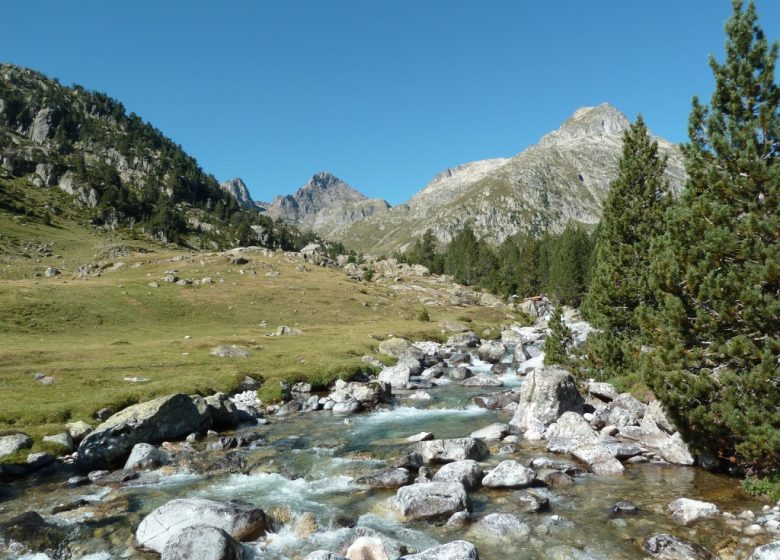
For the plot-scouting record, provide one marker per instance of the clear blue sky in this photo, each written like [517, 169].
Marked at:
[382, 94]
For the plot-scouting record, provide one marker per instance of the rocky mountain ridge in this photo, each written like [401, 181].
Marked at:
[562, 179]
[325, 205]
[238, 190]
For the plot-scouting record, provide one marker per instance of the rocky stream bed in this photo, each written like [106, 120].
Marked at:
[464, 450]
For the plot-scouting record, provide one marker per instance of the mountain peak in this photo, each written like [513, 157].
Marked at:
[600, 122]
[239, 190]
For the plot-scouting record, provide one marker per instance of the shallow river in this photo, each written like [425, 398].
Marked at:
[308, 463]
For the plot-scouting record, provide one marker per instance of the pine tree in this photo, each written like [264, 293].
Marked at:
[569, 266]
[558, 341]
[717, 332]
[620, 280]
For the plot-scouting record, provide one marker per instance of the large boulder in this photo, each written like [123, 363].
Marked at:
[492, 351]
[455, 550]
[685, 511]
[463, 340]
[240, 522]
[769, 551]
[671, 448]
[400, 348]
[509, 474]
[146, 456]
[223, 411]
[431, 500]
[467, 472]
[447, 450]
[668, 547]
[570, 432]
[600, 458]
[165, 418]
[203, 542]
[396, 376]
[369, 394]
[545, 395]
[367, 548]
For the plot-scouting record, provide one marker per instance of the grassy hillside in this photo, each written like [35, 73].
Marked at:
[91, 332]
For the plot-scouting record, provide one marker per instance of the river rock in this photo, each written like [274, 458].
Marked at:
[769, 551]
[78, 430]
[570, 432]
[369, 394]
[202, 542]
[555, 479]
[670, 448]
[604, 391]
[530, 502]
[240, 522]
[393, 477]
[459, 373]
[599, 458]
[482, 380]
[422, 436]
[498, 401]
[12, 443]
[566, 552]
[465, 339]
[467, 472]
[494, 432]
[546, 394]
[396, 376]
[32, 533]
[367, 548]
[567, 467]
[224, 414]
[400, 348]
[146, 456]
[447, 450]
[668, 547]
[455, 550]
[348, 407]
[459, 359]
[162, 419]
[509, 474]
[685, 511]
[503, 525]
[492, 351]
[290, 407]
[430, 500]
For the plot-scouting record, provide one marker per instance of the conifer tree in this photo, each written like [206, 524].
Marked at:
[715, 361]
[558, 341]
[569, 266]
[620, 280]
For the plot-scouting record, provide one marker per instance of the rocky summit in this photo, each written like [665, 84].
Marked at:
[325, 205]
[563, 179]
[238, 189]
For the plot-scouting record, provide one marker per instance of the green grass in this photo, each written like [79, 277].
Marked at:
[90, 333]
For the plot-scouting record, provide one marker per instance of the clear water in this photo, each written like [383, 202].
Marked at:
[310, 463]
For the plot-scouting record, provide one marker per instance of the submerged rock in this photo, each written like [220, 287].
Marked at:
[431, 500]
[240, 522]
[31, 533]
[503, 525]
[668, 547]
[685, 511]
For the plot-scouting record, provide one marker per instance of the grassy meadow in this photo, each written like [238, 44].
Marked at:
[90, 333]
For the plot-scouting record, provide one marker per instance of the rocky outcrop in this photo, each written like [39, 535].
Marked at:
[546, 394]
[161, 525]
[165, 418]
[238, 190]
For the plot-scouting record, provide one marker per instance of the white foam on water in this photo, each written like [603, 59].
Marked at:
[287, 542]
[272, 489]
[409, 414]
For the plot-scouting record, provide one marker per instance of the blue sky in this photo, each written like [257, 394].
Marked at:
[382, 94]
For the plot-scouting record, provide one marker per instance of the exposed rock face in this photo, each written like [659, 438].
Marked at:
[240, 522]
[431, 500]
[165, 418]
[325, 205]
[237, 188]
[562, 179]
[546, 394]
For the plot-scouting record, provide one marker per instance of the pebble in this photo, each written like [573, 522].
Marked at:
[753, 530]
